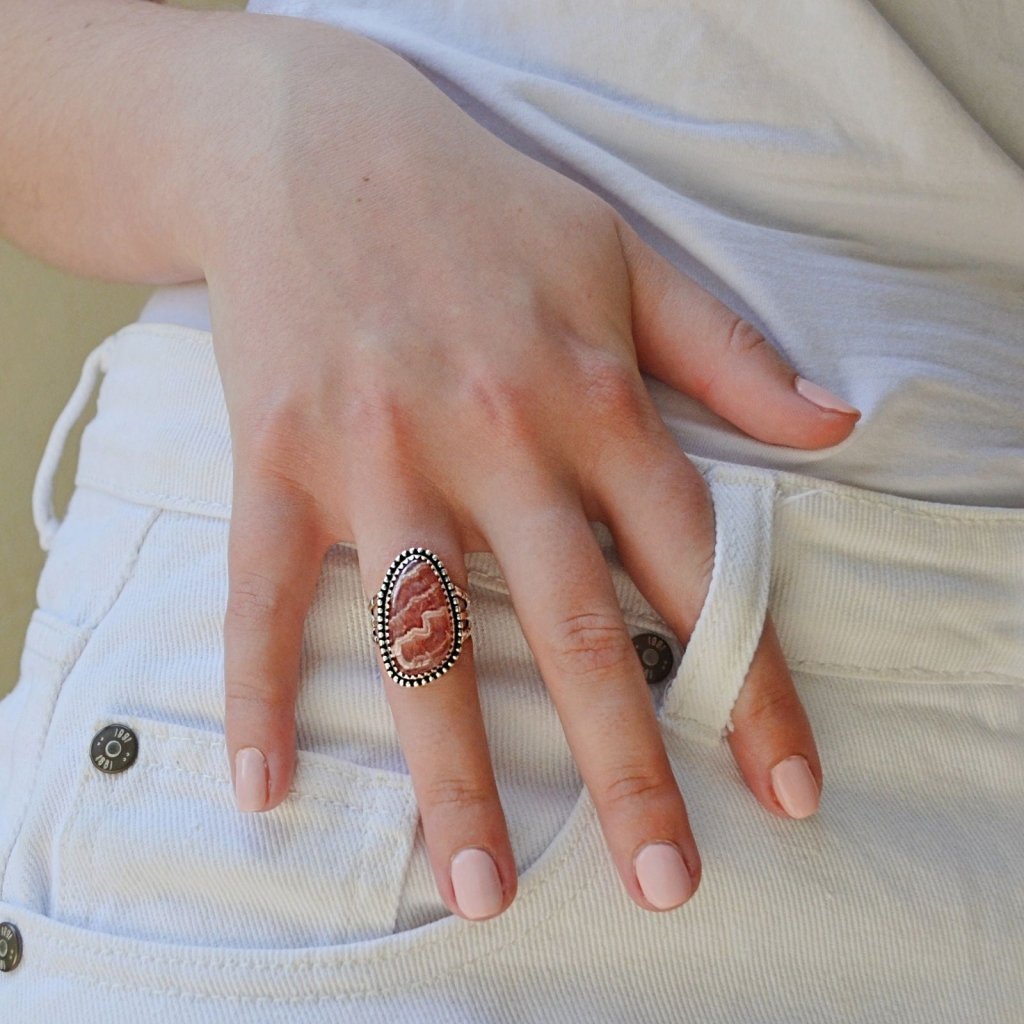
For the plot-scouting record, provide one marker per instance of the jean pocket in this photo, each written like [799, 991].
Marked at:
[52, 646]
[158, 851]
[92, 556]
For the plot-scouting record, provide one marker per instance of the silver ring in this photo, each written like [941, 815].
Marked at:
[420, 618]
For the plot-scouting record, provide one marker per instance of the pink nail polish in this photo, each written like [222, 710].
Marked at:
[250, 779]
[663, 876]
[817, 395]
[477, 883]
[795, 787]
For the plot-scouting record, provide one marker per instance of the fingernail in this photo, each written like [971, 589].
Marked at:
[250, 779]
[795, 787]
[663, 876]
[476, 882]
[817, 395]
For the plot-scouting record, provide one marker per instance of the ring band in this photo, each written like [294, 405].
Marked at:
[420, 618]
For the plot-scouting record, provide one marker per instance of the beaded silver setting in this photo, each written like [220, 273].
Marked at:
[456, 602]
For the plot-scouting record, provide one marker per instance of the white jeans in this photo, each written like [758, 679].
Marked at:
[143, 894]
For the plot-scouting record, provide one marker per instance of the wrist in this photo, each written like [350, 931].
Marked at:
[317, 113]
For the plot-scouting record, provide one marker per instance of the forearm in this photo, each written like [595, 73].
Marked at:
[122, 123]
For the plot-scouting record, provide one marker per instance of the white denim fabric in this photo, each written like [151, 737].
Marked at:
[145, 895]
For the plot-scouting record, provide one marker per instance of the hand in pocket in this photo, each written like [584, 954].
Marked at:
[428, 339]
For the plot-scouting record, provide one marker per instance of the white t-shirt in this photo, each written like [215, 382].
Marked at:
[852, 185]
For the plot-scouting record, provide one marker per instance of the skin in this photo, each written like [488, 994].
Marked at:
[427, 338]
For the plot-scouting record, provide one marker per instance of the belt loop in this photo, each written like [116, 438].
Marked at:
[47, 523]
[714, 666]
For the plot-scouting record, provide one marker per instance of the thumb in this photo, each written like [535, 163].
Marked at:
[687, 338]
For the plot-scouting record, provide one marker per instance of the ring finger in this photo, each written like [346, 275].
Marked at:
[563, 594]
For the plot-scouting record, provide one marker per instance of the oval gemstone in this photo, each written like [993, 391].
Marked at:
[421, 633]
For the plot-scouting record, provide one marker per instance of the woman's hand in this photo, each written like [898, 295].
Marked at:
[427, 338]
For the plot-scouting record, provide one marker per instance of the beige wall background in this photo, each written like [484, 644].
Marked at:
[49, 322]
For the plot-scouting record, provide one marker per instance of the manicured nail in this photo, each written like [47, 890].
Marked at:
[663, 876]
[250, 779]
[795, 787]
[817, 395]
[477, 883]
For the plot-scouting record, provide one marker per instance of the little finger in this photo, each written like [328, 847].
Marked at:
[658, 509]
[276, 550]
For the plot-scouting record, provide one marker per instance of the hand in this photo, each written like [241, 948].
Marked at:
[426, 337]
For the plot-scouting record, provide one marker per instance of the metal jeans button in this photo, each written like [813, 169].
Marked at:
[10, 946]
[655, 655]
[114, 749]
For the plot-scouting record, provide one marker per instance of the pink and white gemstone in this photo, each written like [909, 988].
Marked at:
[421, 634]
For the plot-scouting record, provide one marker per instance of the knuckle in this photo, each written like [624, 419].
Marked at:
[744, 338]
[385, 422]
[254, 601]
[457, 794]
[620, 418]
[773, 707]
[613, 388]
[635, 783]
[277, 437]
[242, 693]
[374, 407]
[504, 404]
[590, 642]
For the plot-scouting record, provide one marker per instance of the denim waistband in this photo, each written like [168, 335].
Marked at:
[860, 582]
